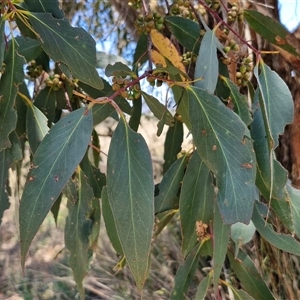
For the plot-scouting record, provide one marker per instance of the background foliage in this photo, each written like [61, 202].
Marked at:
[221, 193]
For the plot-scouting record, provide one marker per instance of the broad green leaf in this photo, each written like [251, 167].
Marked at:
[207, 64]
[46, 6]
[36, 125]
[276, 102]
[158, 109]
[240, 101]
[186, 31]
[249, 277]
[78, 230]
[47, 100]
[172, 146]
[281, 241]
[203, 287]
[241, 234]
[136, 114]
[110, 223]
[185, 274]
[223, 144]
[271, 176]
[119, 69]
[29, 48]
[53, 164]
[269, 29]
[71, 46]
[221, 233]
[95, 178]
[294, 201]
[196, 201]
[130, 192]
[12, 77]
[170, 185]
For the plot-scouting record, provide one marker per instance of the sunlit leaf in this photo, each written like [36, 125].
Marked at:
[223, 144]
[12, 77]
[196, 201]
[130, 192]
[53, 164]
[207, 64]
[71, 46]
[77, 231]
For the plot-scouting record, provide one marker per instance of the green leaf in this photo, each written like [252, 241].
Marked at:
[170, 185]
[185, 274]
[36, 124]
[56, 207]
[4, 166]
[294, 201]
[186, 31]
[240, 101]
[130, 192]
[16, 150]
[269, 29]
[46, 6]
[241, 234]
[136, 114]
[12, 77]
[95, 178]
[203, 287]
[196, 201]
[172, 146]
[77, 231]
[223, 144]
[281, 241]
[241, 294]
[221, 234]
[119, 69]
[21, 109]
[207, 64]
[29, 48]
[140, 55]
[276, 112]
[158, 109]
[162, 219]
[71, 46]
[53, 164]
[249, 277]
[110, 224]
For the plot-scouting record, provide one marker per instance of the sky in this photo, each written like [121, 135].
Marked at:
[290, 13]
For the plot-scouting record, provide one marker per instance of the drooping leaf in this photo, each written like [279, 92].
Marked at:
[56, 207]
[203, 287]
[140, 55]
[221, 234]
[269, 29]
[110, 223]
[185, 274]
[294, 201]
[158, 109]
[241, 234]
[186, 31]
[77, 231]
[29, 48]
[119, 69]
[207, 64]
[96, 218]
[21, 109]
[49, 6]
[4, 166]
[53, 164]
[170, 185]
[12, 77]
[240, 101]
[162, 219]
[281, 241]
[172, 146]
[249, 277]
[130, 192]
[136, 114]
[71, 46]
[276, 112]
[223, 144]
[196, 201]
[36, 125]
